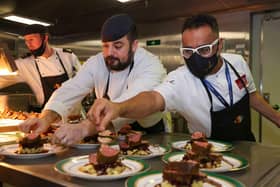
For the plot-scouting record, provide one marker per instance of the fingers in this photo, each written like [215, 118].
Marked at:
[37, 125]
[28, 125]
[104, 123]
[68, 134]
[96, 110]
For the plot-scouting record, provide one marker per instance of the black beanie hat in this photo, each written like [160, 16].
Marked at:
[116, 27]
[34, 29]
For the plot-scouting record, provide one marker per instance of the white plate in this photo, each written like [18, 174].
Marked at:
[70, 166]
[151, 178]
[85, 146]
[7, 139]
[10, 151]
[9, 122]
[238, 162]
[157, 150]
[218, 146]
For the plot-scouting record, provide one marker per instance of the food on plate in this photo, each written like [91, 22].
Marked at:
[196, 136]
[90, 139]
[31, 144]
[184, 174]
[201, 152]
[10, 114]
[126, 129]
[105, 137]
[105, 162]
[134, 145]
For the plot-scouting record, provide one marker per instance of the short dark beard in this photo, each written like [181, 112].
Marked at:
[120, 65]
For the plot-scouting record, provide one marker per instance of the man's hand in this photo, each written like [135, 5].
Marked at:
[102, 112]
[36, 125]
[69, 134]
[41, 124]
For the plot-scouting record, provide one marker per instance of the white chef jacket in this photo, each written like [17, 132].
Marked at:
[147, 72]
[185, 93]
[27, 71]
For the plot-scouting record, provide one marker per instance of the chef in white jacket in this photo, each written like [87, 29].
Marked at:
[120, 71]
[45, 68]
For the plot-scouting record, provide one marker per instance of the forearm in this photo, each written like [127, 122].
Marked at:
[141, 105]
[259, 104]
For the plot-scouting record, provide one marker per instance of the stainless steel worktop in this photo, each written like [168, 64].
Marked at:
[264, 169]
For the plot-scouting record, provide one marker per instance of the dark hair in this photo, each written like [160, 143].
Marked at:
[199, 20]
[35, 28]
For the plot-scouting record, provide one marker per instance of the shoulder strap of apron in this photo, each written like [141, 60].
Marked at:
[60, 61]
[105, 95]
[236, 73]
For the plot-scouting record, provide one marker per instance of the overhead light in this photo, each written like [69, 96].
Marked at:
[25, 20]
[235, 35]
[126, 1]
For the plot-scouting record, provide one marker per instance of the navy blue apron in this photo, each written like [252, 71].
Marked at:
[51, 83]
[158, 127]
[234, 122]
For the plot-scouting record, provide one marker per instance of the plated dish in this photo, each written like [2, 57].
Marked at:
[152, 178]
[10, 151]
[233, 162]
[71, 166]
[218, 146]
[154, 151]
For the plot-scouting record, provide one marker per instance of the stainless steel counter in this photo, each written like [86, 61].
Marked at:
[264, 169]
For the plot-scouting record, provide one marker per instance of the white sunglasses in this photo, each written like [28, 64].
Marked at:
[204, 50]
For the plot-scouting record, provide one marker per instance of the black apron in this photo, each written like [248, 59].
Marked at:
[234, 122]
[158, 127]
[51, 83]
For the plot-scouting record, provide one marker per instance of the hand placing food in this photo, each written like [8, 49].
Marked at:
[36, 125]
[102, 112]
[41, 124]
[69, 134]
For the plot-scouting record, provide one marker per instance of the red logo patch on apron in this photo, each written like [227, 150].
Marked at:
[239, 82]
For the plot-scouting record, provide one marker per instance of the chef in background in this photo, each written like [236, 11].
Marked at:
[44, 68]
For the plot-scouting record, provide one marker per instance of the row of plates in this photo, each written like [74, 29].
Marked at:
[156, 150]
[137, 168]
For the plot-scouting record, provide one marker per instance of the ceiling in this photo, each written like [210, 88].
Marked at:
[77, 19]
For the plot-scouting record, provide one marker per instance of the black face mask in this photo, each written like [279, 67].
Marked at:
[40, 50]
[201, 66]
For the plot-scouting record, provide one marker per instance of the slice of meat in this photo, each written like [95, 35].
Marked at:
[125, 129]
[107, 154]
[93, 158]
[182, 173]
[134, 139]
[201, 148]
[123, 145]
[198, 136]
[31, 141]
